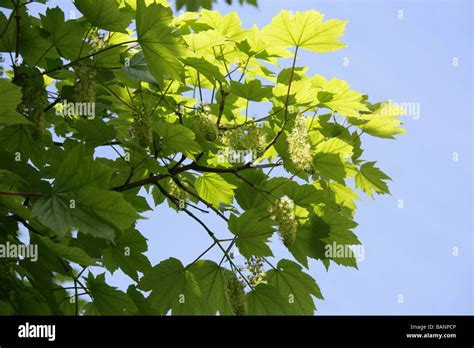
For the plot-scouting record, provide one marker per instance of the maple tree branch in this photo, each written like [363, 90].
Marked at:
[221, 104]
[209, 232]
[280, 131]
[246, 237]
[201, 255]
[8, 193]
[153, 179]
[17, 39]
[61, 67]
[209, 205]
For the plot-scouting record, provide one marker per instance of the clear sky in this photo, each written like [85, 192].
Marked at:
[405, 51]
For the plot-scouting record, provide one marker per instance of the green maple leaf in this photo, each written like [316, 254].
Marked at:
[96, 212]
[266, 300]
[79, 200]
[36, 46]
[127, 254]
[246, 196]
[11, 5]
[158, 40]
[344, 195]
[8, 39]
[138, 69]
[336, 95]
[370, 179]
[69, 253]
[306, 30]
[177, 138]
[296, 286]
[228, 26]
[317, 232]
[382, 126]
[253, 229]
[16, 138]
[251, 90]
[382, 122]
[205, 68]
[340, 228]
[331, 159]
[214, 189]
[142, 303]
[10, 97]
[212, 280]
[78, 171]
[105, 14]
[107, 300]
[173, 287]
[66, 36]
[302, 195]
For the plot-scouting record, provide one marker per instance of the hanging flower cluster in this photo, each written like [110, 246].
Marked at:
[283, 212]
[257, 274]
[298, 145]
[34, 101]
[86, 76]
[250, 137]
[204, 125]
[176, 191]
[234, 289]
[141, 128]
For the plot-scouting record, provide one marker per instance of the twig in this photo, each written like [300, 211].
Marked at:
[201, 255]
[39, 194]
[209, 232]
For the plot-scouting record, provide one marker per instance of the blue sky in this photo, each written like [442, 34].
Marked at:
[403, 51]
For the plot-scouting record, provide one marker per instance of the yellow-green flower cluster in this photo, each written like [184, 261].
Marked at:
[96, 40]
[234, 290]
[283, 212]
[298, 145]
[257, 274]
[86, 85]
[177, 192]
[204, 125]
[250, 137]
[141, 129]
[33, 103]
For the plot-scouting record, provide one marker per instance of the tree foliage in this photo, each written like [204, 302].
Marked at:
[195, 5]
[172, 97]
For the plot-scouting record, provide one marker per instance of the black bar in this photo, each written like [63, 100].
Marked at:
[347, 330]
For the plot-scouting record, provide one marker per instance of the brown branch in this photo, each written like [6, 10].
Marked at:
[245, 237]
[209, 205]
[201, 255]
[221, 104]
[209, 232]
[17, 19]
[200, 168]
[280, 131]
[61, 67]
[148, 181]
[39, 194]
